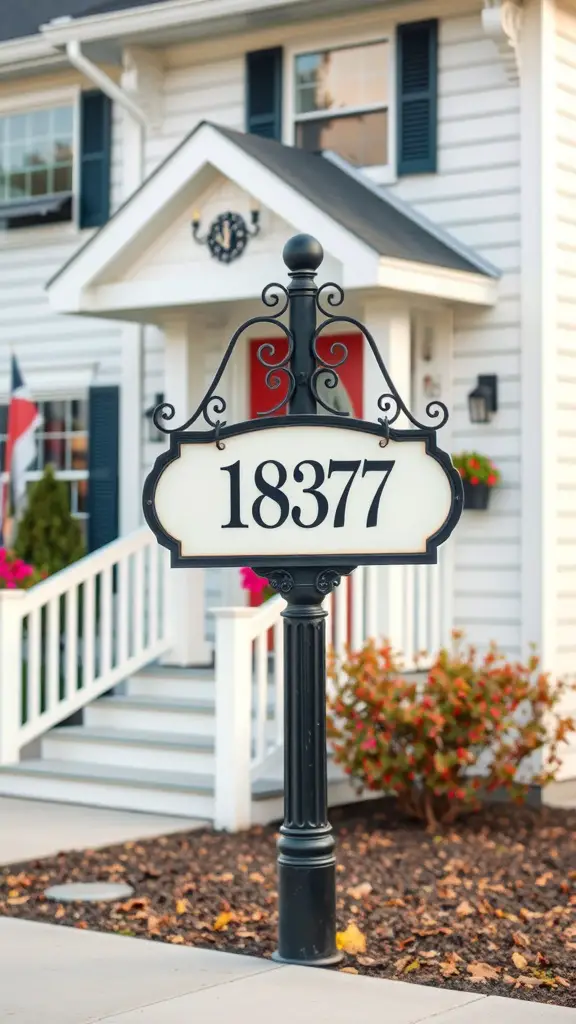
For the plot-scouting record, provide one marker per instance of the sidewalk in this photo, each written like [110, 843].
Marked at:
[33, 828]
[65, 976]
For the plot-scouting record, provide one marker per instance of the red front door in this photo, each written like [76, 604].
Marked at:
[351, 376]
[350, 373]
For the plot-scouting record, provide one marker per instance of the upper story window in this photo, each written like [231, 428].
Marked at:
[341, 102]
[36, 164]
[36, 153]
[55, 163]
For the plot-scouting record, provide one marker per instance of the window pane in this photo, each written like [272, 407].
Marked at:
[337, 79]
[54, 417]
[54, 449]
[18, 186]
[40, 123]
[79, 453]
[17, 127]
[39, 183]
[362, 139]
[82, 496]
[63, 122]
[62, 179]
[79, 415]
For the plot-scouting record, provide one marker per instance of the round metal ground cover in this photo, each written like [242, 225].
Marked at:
[88, 892]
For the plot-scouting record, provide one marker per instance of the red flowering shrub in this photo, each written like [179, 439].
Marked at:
[424, 742]
[16, 574]
[477, 469]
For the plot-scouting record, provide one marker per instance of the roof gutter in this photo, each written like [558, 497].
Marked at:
[81, 62]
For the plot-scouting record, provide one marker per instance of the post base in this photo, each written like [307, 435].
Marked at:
[327, 961]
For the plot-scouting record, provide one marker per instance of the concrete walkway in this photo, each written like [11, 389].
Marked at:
[64, 976]
[34, 828]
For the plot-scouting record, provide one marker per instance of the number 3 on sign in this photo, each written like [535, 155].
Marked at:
[271, 476]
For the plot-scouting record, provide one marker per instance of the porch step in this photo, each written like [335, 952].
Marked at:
[158, 681]
[118, 786]
[139, 748]
[188, 717]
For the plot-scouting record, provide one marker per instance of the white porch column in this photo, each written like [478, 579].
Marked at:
[390, 328]
[184, 378]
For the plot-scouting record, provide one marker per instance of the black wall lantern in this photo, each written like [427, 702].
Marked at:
[483, 400]
[155, 436]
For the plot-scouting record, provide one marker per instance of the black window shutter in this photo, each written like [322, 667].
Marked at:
[264, 93]
[417, 97]
[95, 145]
[103, 465]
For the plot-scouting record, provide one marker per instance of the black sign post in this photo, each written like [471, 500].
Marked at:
[278, 500]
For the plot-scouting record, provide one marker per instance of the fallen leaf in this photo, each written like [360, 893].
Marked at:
[348, 970]
[404, 943]
[358, 892]
[256, 877]
[223, 920]
[351, 940]
[16, 901]
[520, 939]
[542, 960]
[401, 964]
[481, 972]
[243, 933]
[181, 906]
[519, 961]
[451, 880]
[527, 981]
[544, 879]
[429, 954]
[413, 966]
[137, 903]
[177, 940]
[369, 961]
[562, 981]
[60, 912]
[465, 909]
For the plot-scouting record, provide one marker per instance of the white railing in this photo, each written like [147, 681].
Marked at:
[245, 675]
[408, 605]
[68, 640]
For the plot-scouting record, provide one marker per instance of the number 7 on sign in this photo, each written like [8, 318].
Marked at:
[376, 466]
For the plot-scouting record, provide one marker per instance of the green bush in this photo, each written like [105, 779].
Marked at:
[49, 538]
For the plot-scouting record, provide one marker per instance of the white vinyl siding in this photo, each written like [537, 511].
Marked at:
[476, 196]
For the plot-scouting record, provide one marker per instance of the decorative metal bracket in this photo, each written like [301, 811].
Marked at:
[294, 382]
[502, 21]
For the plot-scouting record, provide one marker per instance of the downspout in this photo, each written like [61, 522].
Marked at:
[80, 61]
[132, 406]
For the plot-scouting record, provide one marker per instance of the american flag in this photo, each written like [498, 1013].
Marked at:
[23, 420]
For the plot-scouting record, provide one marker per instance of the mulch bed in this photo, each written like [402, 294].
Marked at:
[488, 907]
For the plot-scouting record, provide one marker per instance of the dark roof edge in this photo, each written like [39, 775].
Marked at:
[408, 211]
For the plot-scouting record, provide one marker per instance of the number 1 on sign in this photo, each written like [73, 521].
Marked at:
[275, 493]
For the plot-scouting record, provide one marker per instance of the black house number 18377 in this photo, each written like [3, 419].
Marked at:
[272, 507]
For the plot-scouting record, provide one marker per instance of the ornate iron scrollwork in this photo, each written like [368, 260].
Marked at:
[323, 372]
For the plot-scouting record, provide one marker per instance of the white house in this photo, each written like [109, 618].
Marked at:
[429, 145]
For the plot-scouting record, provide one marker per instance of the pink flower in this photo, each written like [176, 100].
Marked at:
[369, 744]
[251, 582]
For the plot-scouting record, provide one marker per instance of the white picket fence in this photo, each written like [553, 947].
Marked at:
[68, 640]
[408, 605]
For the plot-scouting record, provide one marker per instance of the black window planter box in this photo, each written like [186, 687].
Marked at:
[476, 496]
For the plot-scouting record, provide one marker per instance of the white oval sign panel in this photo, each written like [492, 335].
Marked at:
[297, 493]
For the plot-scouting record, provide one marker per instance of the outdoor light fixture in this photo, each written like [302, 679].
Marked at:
[228, 234]
[155, 436]
[483, 400]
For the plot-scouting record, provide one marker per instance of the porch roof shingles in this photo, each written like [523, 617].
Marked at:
[21, 18]
[361, 209]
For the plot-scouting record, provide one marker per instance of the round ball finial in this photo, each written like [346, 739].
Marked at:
[303, 252]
